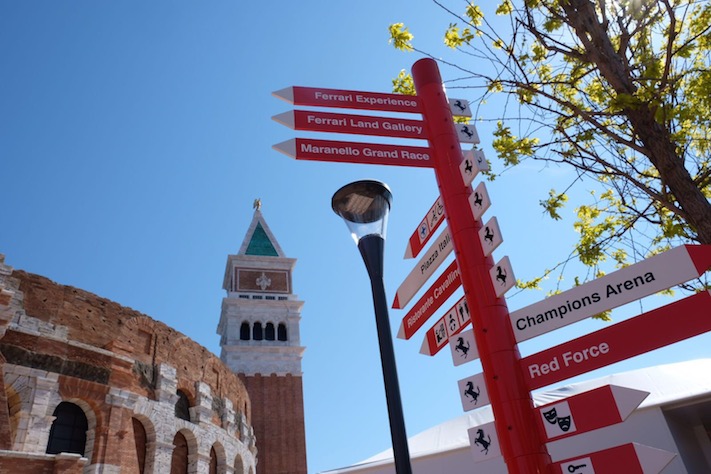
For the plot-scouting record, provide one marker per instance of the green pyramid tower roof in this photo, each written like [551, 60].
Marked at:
[260, 243]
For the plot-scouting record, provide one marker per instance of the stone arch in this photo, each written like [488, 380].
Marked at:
[269, 332]
[183, 404]
[238, 464]
[140, 334]
[218, 456]
[245, 331]
[258, 331]
[281, 332]
[145, 442]
[185, 450]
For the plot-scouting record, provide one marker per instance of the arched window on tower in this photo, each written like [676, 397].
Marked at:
[269, 332]
[244, 332]
[257, 332]
[68, 432]
[281, 332]
[182, 406]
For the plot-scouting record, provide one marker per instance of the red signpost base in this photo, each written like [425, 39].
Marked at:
[521, 445]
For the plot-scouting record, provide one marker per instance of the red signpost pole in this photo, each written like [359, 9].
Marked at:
[521, 444]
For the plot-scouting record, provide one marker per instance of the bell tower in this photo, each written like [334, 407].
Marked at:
[259, 340]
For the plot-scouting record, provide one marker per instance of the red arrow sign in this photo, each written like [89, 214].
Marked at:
[355, 152]
[419, 238]
[352, 124]
[452, 323]
[425, 307]
[597, 408]
[651, 330]
[629, 458]
[344, 99]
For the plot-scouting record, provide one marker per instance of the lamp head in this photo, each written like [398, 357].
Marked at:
[364, 206]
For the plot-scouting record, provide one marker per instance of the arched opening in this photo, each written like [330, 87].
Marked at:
[269, 332]
[239, 465]
[179, 460]
[244, 332]
[68, 432]
[182, 406]
[213, 461]
[257, 332]
[140, 440]
[281, 332]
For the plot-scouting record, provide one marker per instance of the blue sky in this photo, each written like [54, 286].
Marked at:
[134, 137]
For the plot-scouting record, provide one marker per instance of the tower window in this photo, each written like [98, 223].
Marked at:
[68, 432]
[281, 332]
[257, 332]
[244, 332]
[269, 332]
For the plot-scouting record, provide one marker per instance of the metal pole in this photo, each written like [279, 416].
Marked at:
[521, 445]
[371, 249]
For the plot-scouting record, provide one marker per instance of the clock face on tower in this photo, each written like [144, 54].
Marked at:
[266, 281]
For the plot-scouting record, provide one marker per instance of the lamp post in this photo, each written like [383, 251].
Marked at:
[364, 206]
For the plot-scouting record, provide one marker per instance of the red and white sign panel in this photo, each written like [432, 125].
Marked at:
[463, 347]
[474, 162]
[320, 97]
[490, 236]
[344, 99]
[651, 330]
[356, 152]
[472, 391]
[433, 219]
[425, 268]
[452, 323]
[647, 277]
[629, 458]
[484, 443]
[502, 277]
[479, 201]
[432, 300]
[352, 124]
[588, 411]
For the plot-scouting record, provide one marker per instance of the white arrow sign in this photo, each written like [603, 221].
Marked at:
[490, 236]
[467, 133]
[502, 276]
[463, 347]
[484, 442]
[460, 108]
[425, 268]
[647, 277]
[474, 162]
[472, 391]
[479, 201]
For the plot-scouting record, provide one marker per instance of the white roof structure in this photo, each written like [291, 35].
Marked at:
[679, 403]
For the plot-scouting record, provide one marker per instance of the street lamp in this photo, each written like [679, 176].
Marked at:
[364, 206]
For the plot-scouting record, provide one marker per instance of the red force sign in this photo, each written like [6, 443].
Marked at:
[319, 97]
[651, 330]
[352, 124]
[629, 458]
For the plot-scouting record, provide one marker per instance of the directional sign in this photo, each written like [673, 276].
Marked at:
[425, 268]
[472, 391]
[502, 277]
[629, 458]
[452, 323]
[356, 152]
[460, 108]
[349, 99]
[490, 236]
[463, 347]
[467, 133]
[587, 411]
[345, 99]
[434, 217]
[433, 298]
[651, 330]
[649, 276]
[353, 124]
[479, 201]
[474, 161]
[484, 442]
